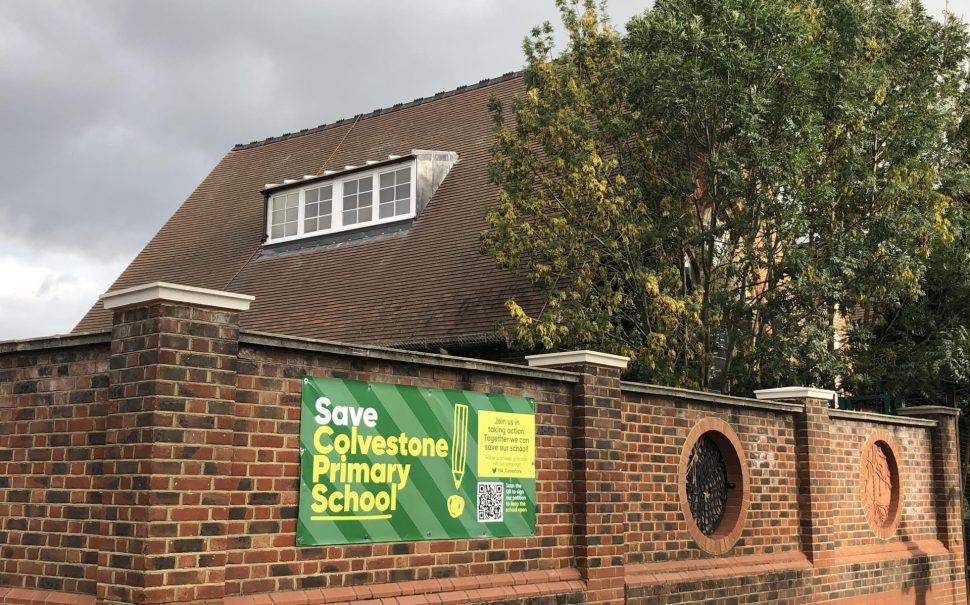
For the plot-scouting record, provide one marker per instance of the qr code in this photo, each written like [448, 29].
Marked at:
[491, 502]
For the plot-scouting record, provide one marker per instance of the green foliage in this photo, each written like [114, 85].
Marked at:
[715, 193]
[919, 349]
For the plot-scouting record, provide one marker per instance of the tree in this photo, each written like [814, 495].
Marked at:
[570, 219]
[715, 193]
[919, 350]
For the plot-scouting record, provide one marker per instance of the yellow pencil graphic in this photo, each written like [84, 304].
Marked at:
[459, 445]
[459, 449]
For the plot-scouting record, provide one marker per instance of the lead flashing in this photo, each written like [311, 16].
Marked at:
[176, 293]
[331, 175]
[546, 360]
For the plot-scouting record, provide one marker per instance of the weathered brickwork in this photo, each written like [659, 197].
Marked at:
[52, 435]
[160, 463]
[601, 485]
[168, 454]
[262, 555]
[656, 428]
[850, 527]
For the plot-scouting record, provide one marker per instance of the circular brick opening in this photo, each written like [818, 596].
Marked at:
[713, 485]
[881, 492]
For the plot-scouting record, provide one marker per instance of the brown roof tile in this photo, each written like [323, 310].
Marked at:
[429, 284]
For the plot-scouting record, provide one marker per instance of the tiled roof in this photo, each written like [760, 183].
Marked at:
[429, 284]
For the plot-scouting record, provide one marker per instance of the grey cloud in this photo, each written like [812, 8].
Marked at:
[51, 281]
[112, 111]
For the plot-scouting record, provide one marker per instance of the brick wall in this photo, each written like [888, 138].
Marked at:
[656, 426]
[53, 396]
[918, 522]
[262, 555]
[159, 464]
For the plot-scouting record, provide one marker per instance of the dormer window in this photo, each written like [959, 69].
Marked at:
[318, 212]
[395, 194]
[285, 215]
[356, 198]
[342, 204]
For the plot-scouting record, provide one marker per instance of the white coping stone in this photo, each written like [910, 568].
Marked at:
[546, 360]
[783, 393]
[163, 291]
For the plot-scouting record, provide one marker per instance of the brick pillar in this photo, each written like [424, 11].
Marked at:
[168, 443]
[599, 478]
[946, 481]
[813, 447]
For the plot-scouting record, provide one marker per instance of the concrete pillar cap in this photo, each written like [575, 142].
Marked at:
[166, 292]
[783, 393]
[546, 360]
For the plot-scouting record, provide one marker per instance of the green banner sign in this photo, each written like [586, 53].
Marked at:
[385, 463]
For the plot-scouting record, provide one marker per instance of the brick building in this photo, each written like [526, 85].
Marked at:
[154, 456]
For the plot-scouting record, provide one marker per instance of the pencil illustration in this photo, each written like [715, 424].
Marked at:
[459, 450]
[459, 445]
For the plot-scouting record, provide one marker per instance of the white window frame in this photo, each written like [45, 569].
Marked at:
[336, 224]
[303, 204]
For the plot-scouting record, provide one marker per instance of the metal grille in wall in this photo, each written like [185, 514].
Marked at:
[707, 485]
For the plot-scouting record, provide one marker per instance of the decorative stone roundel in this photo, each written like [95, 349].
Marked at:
[881, 493]
[713, 485]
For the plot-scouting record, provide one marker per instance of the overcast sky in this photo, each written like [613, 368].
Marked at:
[112, 111]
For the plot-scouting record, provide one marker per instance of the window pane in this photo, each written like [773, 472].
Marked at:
[350, 187]
[277, 231]
[289, 229]
[403, 175]
[309, 225]
[366, 184]
[311, 210]
[364, 214]
[402, 191]
[364, 199]
[326, 193]
[387, 211]
[326, 207]
[350, 217]
[277, 216]
[387, 195]
[324, 222]
[403, 207]
[387, 179]
[291, 213]
[311, 195]
[292, 201]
